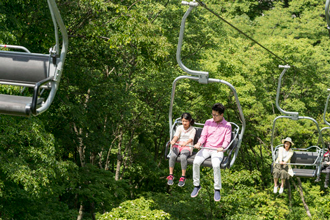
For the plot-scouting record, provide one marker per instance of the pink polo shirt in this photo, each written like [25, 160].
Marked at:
[216, 135]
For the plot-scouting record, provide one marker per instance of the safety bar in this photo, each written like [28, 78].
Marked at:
[15, 47]
[192, 146]
[203, 76]
[294, 115]
[36, 92]
[327, 15]
[318, 151]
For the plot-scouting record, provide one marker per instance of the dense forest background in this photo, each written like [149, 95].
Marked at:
[98, 152]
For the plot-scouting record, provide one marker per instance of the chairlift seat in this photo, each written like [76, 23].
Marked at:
[310, 173]
[302, 158]
[21, 105]
[26, 70]
[225, 163]
[324, 171]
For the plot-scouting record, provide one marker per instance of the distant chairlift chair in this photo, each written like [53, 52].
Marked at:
[26, 69]
[327, 15]
[307, 162]
[326, 122]
[237, 132]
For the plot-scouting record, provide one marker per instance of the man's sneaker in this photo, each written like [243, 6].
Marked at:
[326, 185]
[217, 196]
[281, 190]
[275, 189]
[170, 179]
[195, 191]
[181, 181]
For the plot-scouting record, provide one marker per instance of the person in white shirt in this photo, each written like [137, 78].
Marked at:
[184, 135]
[282, 170]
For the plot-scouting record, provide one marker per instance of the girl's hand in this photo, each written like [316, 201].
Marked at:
[172, 142]
[328, 163]
[220, 149]
[282, 163]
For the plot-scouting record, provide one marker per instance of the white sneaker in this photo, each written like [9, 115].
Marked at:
[281, 190]
[275, 189]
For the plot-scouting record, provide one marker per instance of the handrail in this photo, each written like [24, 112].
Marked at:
[327, 15]
[203, 76]
[15, 47]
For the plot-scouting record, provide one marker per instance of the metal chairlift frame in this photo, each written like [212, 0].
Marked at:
[202, 77]
[325, 120]
[295, 116]
[55, 59]
[327, 15]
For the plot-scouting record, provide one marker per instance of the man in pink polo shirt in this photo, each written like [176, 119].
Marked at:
[216, 134]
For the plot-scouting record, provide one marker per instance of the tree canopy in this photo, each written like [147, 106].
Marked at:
[98, 152]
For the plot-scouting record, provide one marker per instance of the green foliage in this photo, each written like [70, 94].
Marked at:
[101, 144]
[136, 209]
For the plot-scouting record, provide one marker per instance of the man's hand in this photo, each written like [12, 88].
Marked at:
[198, 146]
[173, 142]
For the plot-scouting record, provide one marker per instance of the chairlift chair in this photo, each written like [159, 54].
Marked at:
[310, 157]
[35, 70]
[325, 121]
[203, 78]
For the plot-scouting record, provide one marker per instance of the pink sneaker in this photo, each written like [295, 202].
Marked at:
[182, 181]
[170, 179]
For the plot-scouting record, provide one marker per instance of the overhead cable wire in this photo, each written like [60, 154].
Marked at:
[217, 15]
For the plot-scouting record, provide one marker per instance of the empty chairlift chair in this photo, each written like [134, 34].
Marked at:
[38, 71]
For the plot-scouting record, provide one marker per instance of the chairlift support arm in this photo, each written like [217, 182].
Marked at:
[293, 115]
[58, 23]
[203, 76]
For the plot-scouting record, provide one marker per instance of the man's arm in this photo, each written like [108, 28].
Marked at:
[227, 138]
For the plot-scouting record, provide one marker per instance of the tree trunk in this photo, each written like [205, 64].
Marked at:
[119, 156]
[127, 153]
[81, 212]
[81, 147]
[107, 161]
[299, 189]
[289, 193]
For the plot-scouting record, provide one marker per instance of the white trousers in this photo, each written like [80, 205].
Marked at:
[216, 158]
